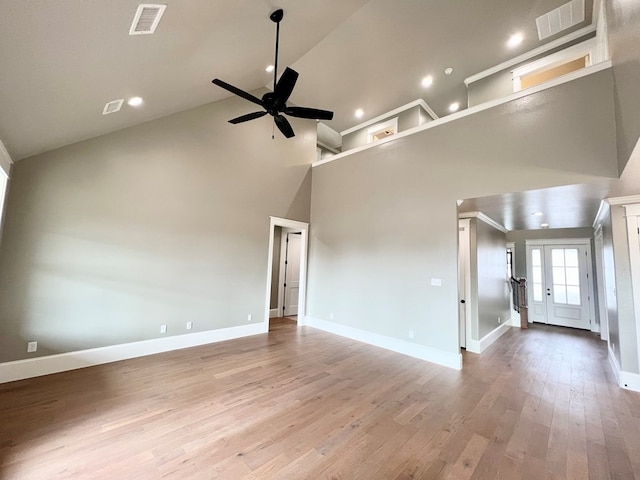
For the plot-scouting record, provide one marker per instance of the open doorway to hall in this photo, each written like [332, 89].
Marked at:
[287, 273]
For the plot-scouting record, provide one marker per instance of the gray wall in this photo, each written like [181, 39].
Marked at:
[491, 278]
[384, 220]
[162, 223]
[626, 324]
[623, 18]
[408, 119]
[609, 273]
[275, 268]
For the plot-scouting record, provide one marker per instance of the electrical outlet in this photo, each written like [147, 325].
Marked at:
[499, 320]
[411, 334]
[189, 325]
[163, 329]
[331, 316]
[32, 347]
[436, 282]
[249, 318]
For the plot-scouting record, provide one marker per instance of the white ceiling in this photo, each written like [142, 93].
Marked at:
[62, 60]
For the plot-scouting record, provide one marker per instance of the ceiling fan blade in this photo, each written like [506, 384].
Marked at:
[247, 117]
[284, 126]
[285, 85]
[237, 91]
[312, 113]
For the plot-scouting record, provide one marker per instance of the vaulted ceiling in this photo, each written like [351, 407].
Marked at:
[62, 60]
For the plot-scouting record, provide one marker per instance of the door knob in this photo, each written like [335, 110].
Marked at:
[462, 301]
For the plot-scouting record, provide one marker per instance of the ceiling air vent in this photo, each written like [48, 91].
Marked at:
[146, 19]
[560, 19]
[113, 106]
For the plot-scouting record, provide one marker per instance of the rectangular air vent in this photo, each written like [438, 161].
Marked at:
[560, 19]
[113, 106]
[146, 19]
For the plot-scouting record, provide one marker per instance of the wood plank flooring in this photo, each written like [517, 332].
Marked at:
[304, 404]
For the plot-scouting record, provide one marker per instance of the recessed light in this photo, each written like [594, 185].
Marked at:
[270, 68]
[537, 214]
[454, 107]
[135, 101]
[448, 71]
[359, 113]
[427, 81]
[544, 225]
[515, 40]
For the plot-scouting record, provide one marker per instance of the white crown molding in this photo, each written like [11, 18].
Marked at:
[5, 159]
[531, 54]
[585, 72]
[486, 219]
[441, 357]
[602, 211]
[384, 116]
[35, 367]
[623, 200]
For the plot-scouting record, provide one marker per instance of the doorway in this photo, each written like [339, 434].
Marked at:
[560, 285]
[297, 274]
[464, 281]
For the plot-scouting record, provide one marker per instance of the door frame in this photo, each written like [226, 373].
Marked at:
[464, 264]
[304, 242]
[282, 267]
[603, 312]
[632, 214]
[586, 242]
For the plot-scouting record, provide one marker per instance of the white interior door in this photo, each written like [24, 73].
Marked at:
[559, 285]
[292, 274]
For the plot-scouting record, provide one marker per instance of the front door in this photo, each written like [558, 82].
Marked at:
[559, 285]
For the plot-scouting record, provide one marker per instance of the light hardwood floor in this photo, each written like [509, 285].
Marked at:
[304, 404]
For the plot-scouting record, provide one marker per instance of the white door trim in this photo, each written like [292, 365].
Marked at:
[282, 267]
[602, 295]
[632, 213]
[466, 244]
[304, 242]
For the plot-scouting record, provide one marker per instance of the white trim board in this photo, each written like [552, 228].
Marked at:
[559, 241]
[5, 159]
[394, 112]
[479, 346]
[585, 72]
[531, 54]
[629, 199]
[36, 367]
[626, 380]
[485, 218]
[273, 313]
[447, 359]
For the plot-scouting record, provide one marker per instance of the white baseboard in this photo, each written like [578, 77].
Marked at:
[447, 359]
[626, 380]
[35, 367]
[479, 346]
[273, 313]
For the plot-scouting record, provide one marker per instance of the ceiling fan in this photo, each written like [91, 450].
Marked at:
[275, 103]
